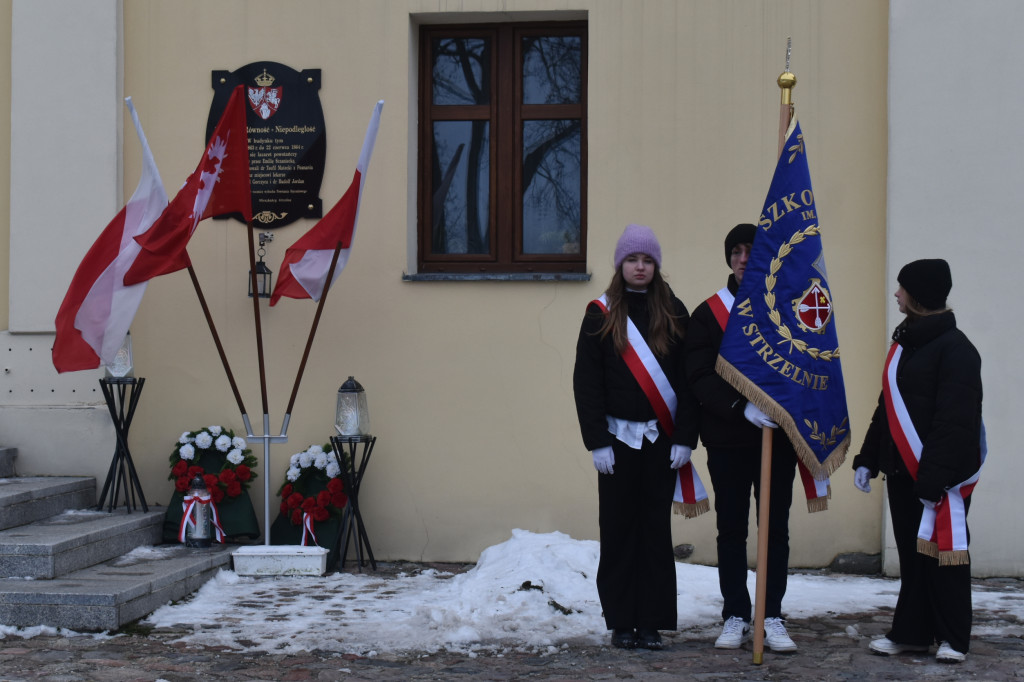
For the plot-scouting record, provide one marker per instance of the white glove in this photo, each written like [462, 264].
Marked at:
[604, 458]
[862, 479]
[756, 417]
[680, 455]
[927, 503]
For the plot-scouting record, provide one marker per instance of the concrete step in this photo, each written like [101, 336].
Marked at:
[113, 593]
[33, 498]
[73, 540]
[7, 457]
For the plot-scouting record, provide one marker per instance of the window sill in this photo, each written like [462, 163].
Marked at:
[497, 277]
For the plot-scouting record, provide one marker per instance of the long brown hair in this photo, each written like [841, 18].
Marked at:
[664, 323]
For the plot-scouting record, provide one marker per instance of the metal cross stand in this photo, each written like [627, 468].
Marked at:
[352, 474]
[122, 396]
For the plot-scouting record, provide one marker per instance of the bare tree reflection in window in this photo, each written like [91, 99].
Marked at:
[461, 180]
[551, 178]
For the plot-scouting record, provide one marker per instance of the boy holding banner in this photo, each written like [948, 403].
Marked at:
[731, 433]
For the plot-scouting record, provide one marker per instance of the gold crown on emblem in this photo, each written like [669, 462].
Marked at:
[264, 80]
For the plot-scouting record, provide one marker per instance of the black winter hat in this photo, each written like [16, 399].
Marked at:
[741, 234]
[928, 281]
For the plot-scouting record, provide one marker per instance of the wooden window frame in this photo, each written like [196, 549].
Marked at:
[506, 115]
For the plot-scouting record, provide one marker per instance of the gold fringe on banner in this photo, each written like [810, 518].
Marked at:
[819, 503]
[775, 412]
[956, 557]
[691, 511]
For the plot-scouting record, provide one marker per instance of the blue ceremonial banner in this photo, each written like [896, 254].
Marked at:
[780, 348]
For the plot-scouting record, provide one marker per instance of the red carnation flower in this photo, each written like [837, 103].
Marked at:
[234, 488]
[323, 498]
[243, 473]
[211, 482]
[286, 491]
[308, 504]
[217, 493]
[295, 500]
[335, 485]
[297, 517]
[284, 509]
[180, 469]
[181, 485]
[194, 471]
[227, 477]
[339, 500]
[320, 514]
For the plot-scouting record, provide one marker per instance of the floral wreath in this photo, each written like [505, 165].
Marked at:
[312, 465]
[234, 475]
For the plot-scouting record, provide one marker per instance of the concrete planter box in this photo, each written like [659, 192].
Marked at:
[280, 560]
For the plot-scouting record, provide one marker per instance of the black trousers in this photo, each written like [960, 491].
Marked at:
[636, 575]
[935, 601]
[734, 473]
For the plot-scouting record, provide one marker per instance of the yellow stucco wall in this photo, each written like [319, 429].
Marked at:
[469, 383]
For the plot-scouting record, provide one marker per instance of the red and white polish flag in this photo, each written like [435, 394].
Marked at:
[308, 260]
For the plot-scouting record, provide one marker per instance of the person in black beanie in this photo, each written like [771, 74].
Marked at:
[730, 428]
[926, 436]
[636, 450]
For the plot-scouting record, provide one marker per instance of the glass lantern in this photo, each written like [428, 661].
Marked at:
[199, 532]
[120, 367]
[353, 416]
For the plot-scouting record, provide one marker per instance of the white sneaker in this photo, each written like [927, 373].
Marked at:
[886, 647]
[947, 654]
[734, 633]
[776, 638]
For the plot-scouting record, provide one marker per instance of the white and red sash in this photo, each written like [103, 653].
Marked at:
[816, 492]
[307, 529]
[188, 509]
[943, 529]
[691, 498]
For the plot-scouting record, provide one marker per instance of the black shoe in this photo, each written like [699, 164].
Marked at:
[624, 638]
[649, 639]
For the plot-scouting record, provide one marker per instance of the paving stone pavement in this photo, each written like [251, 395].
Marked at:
[831, 647]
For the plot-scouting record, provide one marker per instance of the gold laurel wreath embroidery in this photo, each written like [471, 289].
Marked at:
[826, 440]
[769, 298]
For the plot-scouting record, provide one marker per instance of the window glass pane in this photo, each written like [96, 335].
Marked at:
[462, 69]
[551, 69]
[459, 187]
[551, 186]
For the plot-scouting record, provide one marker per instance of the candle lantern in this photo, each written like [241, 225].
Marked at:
[120, 367]
[198, 526]
[263, 273]
[353, 416]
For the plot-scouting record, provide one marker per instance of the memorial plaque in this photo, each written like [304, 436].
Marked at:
[287, 140]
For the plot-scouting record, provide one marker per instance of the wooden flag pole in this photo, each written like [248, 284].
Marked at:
[786, 82]
[216, 341]
[309, 340]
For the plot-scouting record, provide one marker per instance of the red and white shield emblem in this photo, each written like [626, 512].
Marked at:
[265, 101]
[813, 309]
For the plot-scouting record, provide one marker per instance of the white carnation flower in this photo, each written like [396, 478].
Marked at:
[333, 470]
[223, 443]
[204, 440]
[315, 450]
[305, 459]
[239, 443]
[294, 461]
[293, 474]
[187, 451]
[215, 430]
[184, 438]
[320, 461]
[236, 457]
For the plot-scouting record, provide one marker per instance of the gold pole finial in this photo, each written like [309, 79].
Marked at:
[787, 80]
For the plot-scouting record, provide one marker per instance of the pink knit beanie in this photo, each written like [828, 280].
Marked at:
[637, 239]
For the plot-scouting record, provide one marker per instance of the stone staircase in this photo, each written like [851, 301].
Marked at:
[63, 563]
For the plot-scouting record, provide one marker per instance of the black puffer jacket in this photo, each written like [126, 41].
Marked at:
[603, 384]
[939, 377]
